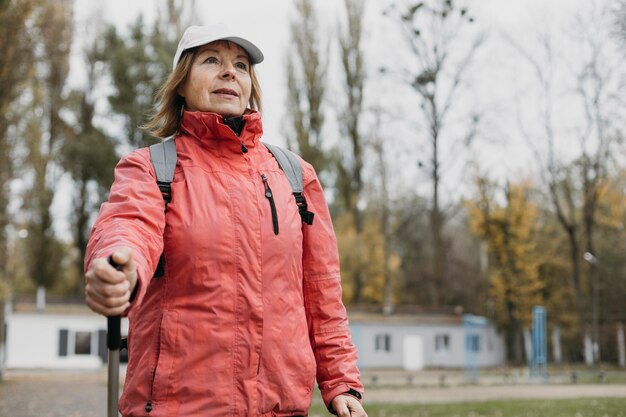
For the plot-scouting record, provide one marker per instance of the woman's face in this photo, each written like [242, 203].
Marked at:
[219, 80]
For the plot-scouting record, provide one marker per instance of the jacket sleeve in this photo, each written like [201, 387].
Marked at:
[134, 216]
[335, 354]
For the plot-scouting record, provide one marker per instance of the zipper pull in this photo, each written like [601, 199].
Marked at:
[268, 191]
[270, 197]
[243, 148]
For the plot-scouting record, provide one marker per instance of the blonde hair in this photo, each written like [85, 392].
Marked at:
[165, 121]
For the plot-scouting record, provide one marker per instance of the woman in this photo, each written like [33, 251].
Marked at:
[248, 311]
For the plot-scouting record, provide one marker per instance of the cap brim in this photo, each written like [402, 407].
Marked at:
[254, 53]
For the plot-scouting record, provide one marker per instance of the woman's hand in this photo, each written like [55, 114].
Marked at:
[107, 290]
[348, 406]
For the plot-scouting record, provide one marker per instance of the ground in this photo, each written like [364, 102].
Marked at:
[83, 394]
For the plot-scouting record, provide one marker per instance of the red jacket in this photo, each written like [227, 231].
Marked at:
[244, 319]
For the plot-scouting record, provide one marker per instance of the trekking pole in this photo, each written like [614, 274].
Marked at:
[113, 345]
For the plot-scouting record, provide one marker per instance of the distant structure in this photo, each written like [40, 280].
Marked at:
[61, 336]
[72, 337]
[473, 326]
[413, 341]
[539, 358]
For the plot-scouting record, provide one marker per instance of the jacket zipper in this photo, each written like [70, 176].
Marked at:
[156, 364]
[149, 402]
[270, 197]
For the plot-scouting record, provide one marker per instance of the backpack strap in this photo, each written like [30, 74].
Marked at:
[163, 157]
[290, 164]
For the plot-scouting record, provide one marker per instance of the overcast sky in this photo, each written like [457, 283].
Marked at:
[267, 24]
[499, 77]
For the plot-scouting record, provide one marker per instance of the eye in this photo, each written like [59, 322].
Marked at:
[242, 66]
[211, 60]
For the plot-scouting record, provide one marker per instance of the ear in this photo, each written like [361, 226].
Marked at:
[180, 91]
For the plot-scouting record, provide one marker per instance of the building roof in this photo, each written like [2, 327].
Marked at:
[404, 316]
[65, 307]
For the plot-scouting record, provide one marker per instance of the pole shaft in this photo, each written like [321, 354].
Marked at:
[114, 375]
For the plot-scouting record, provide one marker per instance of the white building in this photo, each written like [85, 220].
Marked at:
[61, 337]
[418, 341]
[73, 337]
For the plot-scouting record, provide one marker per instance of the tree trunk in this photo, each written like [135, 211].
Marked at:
[82, 219]
[575, 282]
[589, 209]
[2, 338]
[388, 283]
[436, 223]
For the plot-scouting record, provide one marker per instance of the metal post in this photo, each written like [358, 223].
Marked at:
[471, 325]
[595, 305]
[539, 344]
[621, 350]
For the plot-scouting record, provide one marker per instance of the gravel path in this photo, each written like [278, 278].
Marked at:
[64, 394]
[482, 393]
[54, 395]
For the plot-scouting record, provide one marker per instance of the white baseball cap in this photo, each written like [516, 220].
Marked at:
[201, 35]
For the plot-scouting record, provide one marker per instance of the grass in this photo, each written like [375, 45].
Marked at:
[588, 407]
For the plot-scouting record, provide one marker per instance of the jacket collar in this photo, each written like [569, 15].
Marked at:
[210, 127]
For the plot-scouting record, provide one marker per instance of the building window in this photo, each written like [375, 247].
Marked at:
[442, 342]
[63, 338]
[74, 343]
[472, 343]
[383, 343]
[82, 343]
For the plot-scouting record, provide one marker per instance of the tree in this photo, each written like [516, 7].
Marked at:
[598, 139]
[139, 63]
[409, 224]
[611, 218]
[89, 156]
[573, 183]
[136, 73]
[350, 153]
[384, 209]
[433, 30]
[370, 245]
[510, 232]
[45, 133]
[15, 48]
[306, 72]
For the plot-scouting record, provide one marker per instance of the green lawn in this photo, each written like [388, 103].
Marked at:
[590, 407]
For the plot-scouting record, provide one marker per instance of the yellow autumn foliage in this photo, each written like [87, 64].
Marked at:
[508, 225]
[364, 252]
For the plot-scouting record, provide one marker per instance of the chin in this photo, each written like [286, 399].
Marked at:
[228, 112]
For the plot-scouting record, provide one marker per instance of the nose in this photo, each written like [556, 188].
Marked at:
[228, 72]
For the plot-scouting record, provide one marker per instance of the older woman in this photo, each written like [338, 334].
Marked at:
[247, 312]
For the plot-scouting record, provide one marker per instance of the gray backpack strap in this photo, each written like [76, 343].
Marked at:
[290, 164]
[163, 157]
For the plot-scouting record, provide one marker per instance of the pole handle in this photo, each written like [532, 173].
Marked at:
[113, 323]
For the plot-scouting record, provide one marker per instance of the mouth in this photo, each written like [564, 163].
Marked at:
[226, 92]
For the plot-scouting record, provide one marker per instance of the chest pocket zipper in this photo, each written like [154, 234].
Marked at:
[270, 197]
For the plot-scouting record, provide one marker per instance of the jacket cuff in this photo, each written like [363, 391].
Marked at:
[343, 389]
[139, 292]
